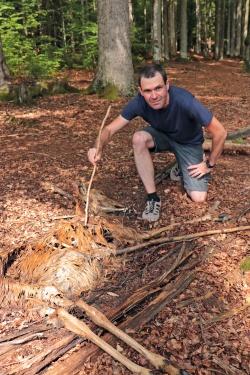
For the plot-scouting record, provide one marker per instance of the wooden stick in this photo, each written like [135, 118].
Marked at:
[187, 237]
[94, 170]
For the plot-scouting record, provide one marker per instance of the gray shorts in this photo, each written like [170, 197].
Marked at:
[185, 155]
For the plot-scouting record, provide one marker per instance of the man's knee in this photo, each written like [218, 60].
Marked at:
[142, 139]
[198, 196]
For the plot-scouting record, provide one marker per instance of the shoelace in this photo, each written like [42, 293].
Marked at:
[152, 206]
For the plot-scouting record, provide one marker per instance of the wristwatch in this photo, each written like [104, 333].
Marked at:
[209, 165]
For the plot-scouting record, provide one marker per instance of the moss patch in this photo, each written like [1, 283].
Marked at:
[245, 264]
[109, 92]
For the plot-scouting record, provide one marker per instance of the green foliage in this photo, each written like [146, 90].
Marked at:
[39, 38]
[245, 264]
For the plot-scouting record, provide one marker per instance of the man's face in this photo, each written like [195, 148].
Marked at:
[155, 91]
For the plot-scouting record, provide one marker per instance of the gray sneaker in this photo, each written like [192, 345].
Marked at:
[175, 173]
[152, 211]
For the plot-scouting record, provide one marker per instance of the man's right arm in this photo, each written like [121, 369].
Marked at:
[117, 124]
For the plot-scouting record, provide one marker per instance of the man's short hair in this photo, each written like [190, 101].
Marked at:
[150, 70]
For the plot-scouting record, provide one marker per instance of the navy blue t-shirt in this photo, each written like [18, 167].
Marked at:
[182, 120]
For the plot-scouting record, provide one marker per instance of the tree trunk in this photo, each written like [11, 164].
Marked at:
[222, 30]
[184, 30]
[157, 30]
[198, 27]
[245, 27]
[217, 29]
[145, 22]
[247, 48]
[229, 27]
[238, 27]
[233, 29]
[165, 30]
[4, 71]
[205, 25]
[172, 27]
[115, 69]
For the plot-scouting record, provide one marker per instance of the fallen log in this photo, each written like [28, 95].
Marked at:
[241, 133]
[27, 91]
[242, 148]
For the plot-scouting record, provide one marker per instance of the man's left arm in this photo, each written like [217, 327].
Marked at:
[218, 134]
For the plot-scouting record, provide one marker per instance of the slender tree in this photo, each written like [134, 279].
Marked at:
[172, 27]
[184, 30]
[217, 29]
[229, 13]
[165, 30]
[238, 27]
[245, 25]
[4, 71]
[247, 48]
[115, 60]
[233, 29]
[198, 26]
[157, 45]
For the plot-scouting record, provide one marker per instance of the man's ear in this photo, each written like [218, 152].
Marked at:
[167, 85]
[140, 90]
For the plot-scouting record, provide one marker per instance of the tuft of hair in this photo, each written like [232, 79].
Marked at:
[150, 70]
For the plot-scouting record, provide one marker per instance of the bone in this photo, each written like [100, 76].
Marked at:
[80, 328]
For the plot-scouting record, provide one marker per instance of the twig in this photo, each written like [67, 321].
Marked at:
[64, 217]
[230, 370]
[187, 237]
[227, 314]
[244, 212]
[94, 170]
[157, 232]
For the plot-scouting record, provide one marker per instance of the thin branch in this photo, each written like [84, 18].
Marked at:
[157, 232]
[94, 170]
[187, 237]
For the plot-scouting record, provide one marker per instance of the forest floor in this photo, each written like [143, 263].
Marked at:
[47, 142]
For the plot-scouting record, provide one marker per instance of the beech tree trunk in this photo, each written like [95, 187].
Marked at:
[4, 71]
[229, 12]
[245, 27]
[238, 27]
[172, 27]
[233, 29]
[165, 30]
[115, 68]
[184, 30]
[247, 47]
[157, 30]
[219, 29]
[198, 27]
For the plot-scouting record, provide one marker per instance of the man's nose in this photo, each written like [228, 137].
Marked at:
[153, 94]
